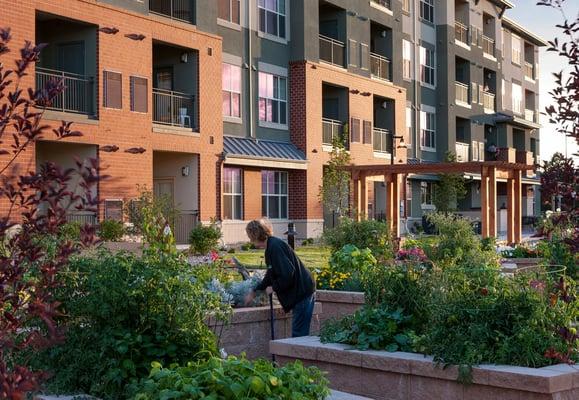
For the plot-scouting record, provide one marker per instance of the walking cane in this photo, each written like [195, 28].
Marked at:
[272, 322]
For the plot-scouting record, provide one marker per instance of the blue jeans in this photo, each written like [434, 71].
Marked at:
[302, 316]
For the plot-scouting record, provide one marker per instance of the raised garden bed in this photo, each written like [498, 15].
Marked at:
[249, 330]
[409, 376]
[337, 304]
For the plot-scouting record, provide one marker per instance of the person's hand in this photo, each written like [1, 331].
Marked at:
[269, 290]
[249, 297]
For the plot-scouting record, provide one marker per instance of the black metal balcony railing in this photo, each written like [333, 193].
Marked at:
[333, 130]
[182, 10]
[380, 66]
[384, 3]
[173, 108]
[332, 50]
[77, 96]
[488, 45]
[461, 32]
[382, 140]
[82, 217]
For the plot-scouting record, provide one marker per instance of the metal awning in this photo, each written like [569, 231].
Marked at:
[263, 153]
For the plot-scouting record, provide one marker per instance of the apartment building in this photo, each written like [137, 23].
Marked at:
[237, 102]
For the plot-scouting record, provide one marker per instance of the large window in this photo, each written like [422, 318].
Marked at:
[426, 193]
[274, 202]
[272, 17]
[517, 96]
[427, 130]
[427, 10]
[232, 193]
[272, 98]
[516, 49]
[427, 66]
[406, 59]
[231, 78]
[228, 10]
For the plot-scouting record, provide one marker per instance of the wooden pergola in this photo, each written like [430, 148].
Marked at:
[489, 171]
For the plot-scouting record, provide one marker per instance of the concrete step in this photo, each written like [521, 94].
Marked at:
[337, 395]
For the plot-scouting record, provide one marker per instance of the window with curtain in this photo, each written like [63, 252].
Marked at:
[517, 96]
[274, 194]
[427, 66]
[272, 98]
[228, 10]
[231, 81]
[428, 130]
[427, 10]
[406, 59]
[426, 193]
[516, 49]
[232, 193]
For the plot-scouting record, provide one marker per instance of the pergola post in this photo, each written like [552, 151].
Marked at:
[392, 202]
[518, 205]
[492, 201]
[484, 202]
[356, 196]
[363, 199]
[514, 207]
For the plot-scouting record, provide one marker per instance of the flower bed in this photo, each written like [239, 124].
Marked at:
[249, 330]
[408, 376]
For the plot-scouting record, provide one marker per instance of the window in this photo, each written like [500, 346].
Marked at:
[112, 89]
[408, 210]
[406, 5]
[139, 94]
[428, 130]
[228, 10]
[406, 59]
[231, 78]
[409, 124]
[272, 98]
[272, 17]
[364, 56]
[427, 10]
[517, 96]
[427, 66]
[232, 193]
[426, 193]
[516, 49]
[274, 202]
[355, 130]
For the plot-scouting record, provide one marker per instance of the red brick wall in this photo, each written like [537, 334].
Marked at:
[123, 127]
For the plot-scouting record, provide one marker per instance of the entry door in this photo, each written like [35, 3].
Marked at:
[164, 188]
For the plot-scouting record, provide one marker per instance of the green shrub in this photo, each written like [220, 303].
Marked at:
[247, 246]
[204, 238]
[558, 254]
[371, 234]
[122, 312]
[111, 230]
[70, 231]
[346, 268]
[308, 242]
[376, 328]
[233, 378]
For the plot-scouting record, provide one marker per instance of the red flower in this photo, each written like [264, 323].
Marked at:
[214, 256]
[484, 291]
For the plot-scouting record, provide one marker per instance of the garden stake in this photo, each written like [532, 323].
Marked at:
[272, 322]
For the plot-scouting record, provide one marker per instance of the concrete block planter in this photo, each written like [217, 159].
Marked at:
[249, 330]
[408, 376]
[336, 304]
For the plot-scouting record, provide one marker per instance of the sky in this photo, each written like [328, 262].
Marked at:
[541, 21]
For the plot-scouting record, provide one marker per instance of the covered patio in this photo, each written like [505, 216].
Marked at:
[395, 174]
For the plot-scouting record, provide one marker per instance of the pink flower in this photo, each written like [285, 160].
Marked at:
[538, 285]
[214, 256]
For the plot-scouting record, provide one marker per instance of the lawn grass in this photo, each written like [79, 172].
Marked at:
[312, 256]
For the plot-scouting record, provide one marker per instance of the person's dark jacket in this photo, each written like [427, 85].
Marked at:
[286, 274]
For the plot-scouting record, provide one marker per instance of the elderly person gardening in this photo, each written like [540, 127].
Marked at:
[286, 276]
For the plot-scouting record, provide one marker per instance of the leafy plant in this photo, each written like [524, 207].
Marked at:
[232, 378]
[247, 246]
[371, 234]
[336, 180]
[70, 231]
[124, 312]
[111, 230]
[345, 269]
[377, 328]
[449, 189]
[204, 238]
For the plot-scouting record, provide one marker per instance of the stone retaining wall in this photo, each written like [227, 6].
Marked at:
[408, 376]
[336, 304]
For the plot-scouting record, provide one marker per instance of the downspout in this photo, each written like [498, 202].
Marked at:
[250, 68]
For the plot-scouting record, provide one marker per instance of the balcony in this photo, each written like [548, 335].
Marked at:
[507, 154]
[530, 115]
[382, 140]
[380, 66]
[384, 3]
[461, 32]
[461, 90]
[82, 217]
[529, 73]
[173, 108]
[332, 51]
[333, 130]
[525, 157]
[462, 150]
[181, 10]
[77, 96]
[489, 102]
[488, 45]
